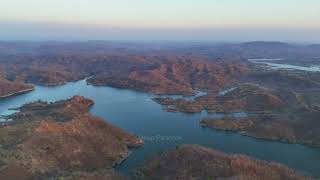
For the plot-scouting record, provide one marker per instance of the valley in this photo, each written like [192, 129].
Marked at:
[153, 94]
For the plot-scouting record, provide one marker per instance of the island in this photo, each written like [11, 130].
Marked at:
[61, 140]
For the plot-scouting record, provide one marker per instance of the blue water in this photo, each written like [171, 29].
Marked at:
[277, 66]
[190, 98]
[138, 114]
[224, 92]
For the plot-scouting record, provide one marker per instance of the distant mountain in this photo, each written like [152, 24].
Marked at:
[314, 46]
[265, 44]
[18, 47]
[276, 49]
[253, 49]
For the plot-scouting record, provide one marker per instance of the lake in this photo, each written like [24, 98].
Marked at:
[138, 114]
[278, 66]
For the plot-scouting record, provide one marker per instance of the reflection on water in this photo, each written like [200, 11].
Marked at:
[137, 113]
[190, 98]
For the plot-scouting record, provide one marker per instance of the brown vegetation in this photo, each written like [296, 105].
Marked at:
[175, 77]
[302, 127]
[61, 139]
[245, 97]
[169, 74]
[8, 88]
[196, 162]
[278, 112]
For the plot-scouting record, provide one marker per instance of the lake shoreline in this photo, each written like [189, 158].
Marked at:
[17, 93]
[243, 133]
[113, 103]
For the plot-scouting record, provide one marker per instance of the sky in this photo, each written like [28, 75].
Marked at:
[203, 20]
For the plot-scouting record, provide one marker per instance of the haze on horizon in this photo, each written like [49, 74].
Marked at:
[182, 20]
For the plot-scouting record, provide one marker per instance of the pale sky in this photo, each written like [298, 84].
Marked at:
[160, 19]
